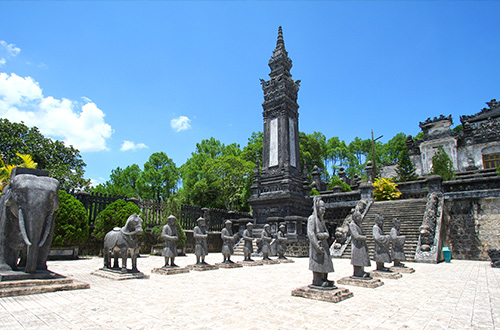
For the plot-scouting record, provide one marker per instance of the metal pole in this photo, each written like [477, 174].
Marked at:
[374, 168]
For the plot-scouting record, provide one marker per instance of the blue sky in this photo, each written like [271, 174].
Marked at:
[97, 74]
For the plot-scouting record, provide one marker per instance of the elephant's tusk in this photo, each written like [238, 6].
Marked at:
[22, 227]
[47, 230]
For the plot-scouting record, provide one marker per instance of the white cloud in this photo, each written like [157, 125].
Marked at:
[180, 123]
[11, 48]
[129, 145]
[2, 61]
[83, 126]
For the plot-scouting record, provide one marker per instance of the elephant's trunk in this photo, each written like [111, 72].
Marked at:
[32, 259]
[32, 250]
[28, 229]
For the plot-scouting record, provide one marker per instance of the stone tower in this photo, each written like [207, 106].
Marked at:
[280, 190]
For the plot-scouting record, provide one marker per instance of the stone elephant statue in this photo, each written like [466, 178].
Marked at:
[27, 207]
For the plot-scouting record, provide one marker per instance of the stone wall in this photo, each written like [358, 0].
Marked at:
[472, 226]
[489, 225]
[298, 249]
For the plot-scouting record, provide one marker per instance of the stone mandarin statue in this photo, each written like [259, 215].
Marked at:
[248, 240]
[169, 234]
[228, 240]
[266, 239]
[359, 251]
[398, 242]
[320, 262]
[200, 238]
[282, 242]
[382, 244]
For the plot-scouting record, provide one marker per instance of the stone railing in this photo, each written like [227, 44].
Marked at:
[471, 184]
[413, 189]
[330, 197]
[431, 236]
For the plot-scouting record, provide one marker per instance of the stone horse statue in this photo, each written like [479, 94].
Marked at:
[121, 241]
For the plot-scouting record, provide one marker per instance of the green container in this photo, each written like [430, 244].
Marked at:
[446, 253]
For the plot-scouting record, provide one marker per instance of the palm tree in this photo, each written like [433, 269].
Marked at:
[6, 170]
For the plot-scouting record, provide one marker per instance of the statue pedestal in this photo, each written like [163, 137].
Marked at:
[382, 274]
[404, 270]
[270, 262]
[251, 263]
[15, 283]
[117, 274]
[285, 261]
[201, 268]
[228, 265]
[169, 271]
[364, 282]
[333, 295]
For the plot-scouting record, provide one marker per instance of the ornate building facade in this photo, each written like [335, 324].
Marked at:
[280, 189]
[475, 147]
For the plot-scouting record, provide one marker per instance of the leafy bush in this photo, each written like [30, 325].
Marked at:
[114, 215]
[314, 192]
[71, 222]
[498, 170]
[385, 189]
[335, 181]
[442, 165]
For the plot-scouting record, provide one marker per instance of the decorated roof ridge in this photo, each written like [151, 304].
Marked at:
[492, 111]
[435, 120]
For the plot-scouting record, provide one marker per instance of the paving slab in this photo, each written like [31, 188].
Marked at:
[457, 295]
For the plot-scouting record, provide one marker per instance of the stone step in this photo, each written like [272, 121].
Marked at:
[238, 248]
[409, 212]
[27, 287]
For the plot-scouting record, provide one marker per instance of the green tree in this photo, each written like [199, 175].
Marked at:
[253, 150]
[122, 182]
[360, 148]
[194, 191]
[159, 178]
[442, 165]
[71, 222]
[228, 179]
[405, 168]
[64, 163]
[336, 154]
[313, 149]
[392, 149]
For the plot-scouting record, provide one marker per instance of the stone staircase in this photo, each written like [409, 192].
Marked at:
[409, 211]
[238, 248]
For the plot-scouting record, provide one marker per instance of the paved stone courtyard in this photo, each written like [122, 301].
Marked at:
[456, 295]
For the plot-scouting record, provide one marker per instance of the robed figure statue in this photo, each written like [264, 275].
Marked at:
[320, 262]
[398, 243]
[382, 244]
[359, 251]
[200, 236]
